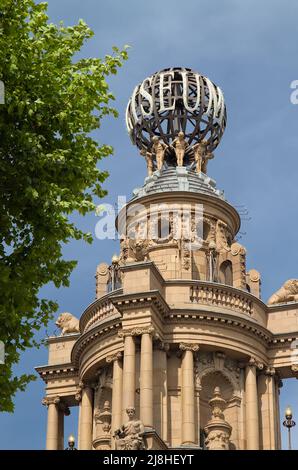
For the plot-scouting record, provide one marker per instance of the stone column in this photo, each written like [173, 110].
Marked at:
[188, 393]
[146, 378]
[52, 403]
[252, 411]
[116, 390]
[160, 389]
[86, 419]
[129, 374]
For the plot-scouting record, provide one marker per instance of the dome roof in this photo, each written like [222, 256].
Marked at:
[178, 179]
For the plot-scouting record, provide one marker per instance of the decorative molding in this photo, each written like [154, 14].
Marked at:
[151, 299]
[136, 331]
[97, 310]
[222, 318]
[254, 363]
[270, 371]
[89, 337]
[46, 401]
[189, 347]
[63, 371]
[115, 357]
[211, 362]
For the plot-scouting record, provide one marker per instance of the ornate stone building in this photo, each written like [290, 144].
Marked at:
[178, 329]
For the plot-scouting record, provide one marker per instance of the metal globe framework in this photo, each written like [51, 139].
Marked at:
[174, 100]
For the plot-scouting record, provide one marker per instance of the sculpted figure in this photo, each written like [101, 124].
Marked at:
[200, 151]
[130, 435]
[287, 293]
[67, 323]
[180, 145]
[206, 159]
[149, 160]
[159, 148]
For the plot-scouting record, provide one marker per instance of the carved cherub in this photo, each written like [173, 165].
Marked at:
[149, 160]
[180, 145]
[159, 148]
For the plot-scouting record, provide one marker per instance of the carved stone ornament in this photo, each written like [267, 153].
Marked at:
[217, 429]
[46, 401]
[114, 357]
[103, 420]
[287, 293]
[130, 436]
[136, 331]
[189, 347]
[68, 323]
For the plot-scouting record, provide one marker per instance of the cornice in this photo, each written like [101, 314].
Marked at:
[283, 339]
[212, 201]
[282, 306]
[141, 265]
[232, 321]
[93, 307]
[151, 298]
[86, 339]
[57, 371]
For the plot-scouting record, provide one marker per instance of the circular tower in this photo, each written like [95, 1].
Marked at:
[177, 341]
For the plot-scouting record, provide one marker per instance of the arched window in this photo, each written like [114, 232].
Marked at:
[206, 230]
[226, 273]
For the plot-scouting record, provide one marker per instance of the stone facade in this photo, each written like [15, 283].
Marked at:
[184, 320]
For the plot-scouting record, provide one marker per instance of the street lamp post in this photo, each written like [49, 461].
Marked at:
[289, 423]
[71, 443]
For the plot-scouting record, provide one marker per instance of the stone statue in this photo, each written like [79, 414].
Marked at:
[159, 148]
[200, 151]
[180, 145]
[130, 436]
[287, 293]
[67, 323]
[149, 160]
[217, 429]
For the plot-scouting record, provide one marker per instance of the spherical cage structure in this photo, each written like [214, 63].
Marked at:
[173, 100]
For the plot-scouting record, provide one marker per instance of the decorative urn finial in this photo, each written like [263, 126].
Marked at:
[217, 429]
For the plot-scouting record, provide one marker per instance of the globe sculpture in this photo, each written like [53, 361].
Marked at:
[178, 114]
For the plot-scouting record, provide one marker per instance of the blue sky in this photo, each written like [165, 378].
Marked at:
[249, 48]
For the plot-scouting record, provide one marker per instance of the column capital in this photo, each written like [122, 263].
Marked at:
[252, 362]
[269, 371]
[136, 331]
[162, 345]
[46, 401]
[189, 347]
[114, 357]
[78, 394]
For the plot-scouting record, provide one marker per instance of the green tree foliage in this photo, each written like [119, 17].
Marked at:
[53, 100]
